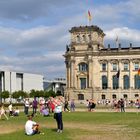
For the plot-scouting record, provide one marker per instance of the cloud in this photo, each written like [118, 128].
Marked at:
[26, 10]
[33, 34]
[119, 14]
[123, 33]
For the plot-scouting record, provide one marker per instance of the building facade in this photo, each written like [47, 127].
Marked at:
[99, 72]
[58, 84]
[15, 81]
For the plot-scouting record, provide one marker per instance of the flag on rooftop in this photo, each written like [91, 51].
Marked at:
[89, 16]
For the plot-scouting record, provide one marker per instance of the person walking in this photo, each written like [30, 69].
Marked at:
[66, 106]
[72, 105]
[2, 112]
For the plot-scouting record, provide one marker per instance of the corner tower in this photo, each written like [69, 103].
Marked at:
[85, 37]
[86, 42]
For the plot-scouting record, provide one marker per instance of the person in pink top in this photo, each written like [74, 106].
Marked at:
[41, 104]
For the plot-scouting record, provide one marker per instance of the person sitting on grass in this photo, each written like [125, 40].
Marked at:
[45, 112]
[16, 112]
[31, 127]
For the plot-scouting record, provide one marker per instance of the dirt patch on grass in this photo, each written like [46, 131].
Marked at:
[5, 129]
[86, 131]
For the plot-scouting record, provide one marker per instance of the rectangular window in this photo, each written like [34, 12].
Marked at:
[104, 67]
[83, 83]
[136, 66]
[126, 66]
[19, 81]
[114, 65]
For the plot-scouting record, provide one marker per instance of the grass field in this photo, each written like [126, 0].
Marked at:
[77, 126]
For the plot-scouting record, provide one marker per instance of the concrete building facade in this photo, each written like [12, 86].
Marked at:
[99, 72]
[58, 84]
[15, 81]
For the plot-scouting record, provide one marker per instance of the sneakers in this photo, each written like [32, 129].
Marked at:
[41, 133]
[59, 131]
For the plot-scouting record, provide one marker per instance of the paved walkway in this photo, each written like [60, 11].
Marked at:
[97, 110]
[108, 110]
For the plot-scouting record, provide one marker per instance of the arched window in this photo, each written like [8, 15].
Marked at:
[80, 97]
[114, 96]
[126, 83]
[104, 82]
[78, 39]
[137, 81]
[84, 38]
[83, 67]
[115, 81]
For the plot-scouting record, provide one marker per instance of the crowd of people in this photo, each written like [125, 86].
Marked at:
[54, 107]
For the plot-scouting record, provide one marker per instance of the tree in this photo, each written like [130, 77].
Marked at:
[15, 95]
[37, 93]
[19, 93]
[58, 93]
[46, 94]
[33, 93]
[5, 94]
[22, 94]
[51, 93]
[40, 93]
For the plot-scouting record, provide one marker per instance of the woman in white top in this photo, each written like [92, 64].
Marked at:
[58, 114]
[2, 112]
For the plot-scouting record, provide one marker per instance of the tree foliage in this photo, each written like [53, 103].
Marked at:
[5, 94]
[20, 93]
[37, 93]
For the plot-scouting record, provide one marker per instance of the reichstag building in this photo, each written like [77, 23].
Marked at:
[99, 72]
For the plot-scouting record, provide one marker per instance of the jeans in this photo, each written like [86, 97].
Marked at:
[26, 110]
[59, 121]
[34, 110]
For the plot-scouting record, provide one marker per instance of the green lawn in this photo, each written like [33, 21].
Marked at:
[77, 126]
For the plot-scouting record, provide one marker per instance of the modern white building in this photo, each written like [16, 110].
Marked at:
[15, 81]
[58, 84]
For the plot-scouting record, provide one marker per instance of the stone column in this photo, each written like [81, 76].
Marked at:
[120, 76]
[109, 80]
[72, 74]
[131, 78]
[68, 73]
[89, 73]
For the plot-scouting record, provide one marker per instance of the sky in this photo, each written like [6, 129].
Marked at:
[34, 33]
